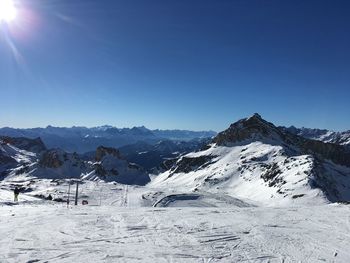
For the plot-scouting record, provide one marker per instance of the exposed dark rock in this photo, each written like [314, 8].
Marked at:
[297, 196]
[110, 166]
[33, 145]
[100, 171]
[188, 164]
[152, 156]
[55, 158]
[271, 175]
[4, 159]
[251, 128]
[102, 151]
[51, 159]
[168, 164]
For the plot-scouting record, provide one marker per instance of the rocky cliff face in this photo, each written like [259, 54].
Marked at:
[57, 164]
[102, 151]
[110, 166]
[32, 145]
[56, 158]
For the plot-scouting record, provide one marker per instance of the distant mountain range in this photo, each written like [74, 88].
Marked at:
[252, 159]
[342, 138]
[82, 139]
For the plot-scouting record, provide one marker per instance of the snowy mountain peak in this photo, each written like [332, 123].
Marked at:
[256, 160]
[252, 128]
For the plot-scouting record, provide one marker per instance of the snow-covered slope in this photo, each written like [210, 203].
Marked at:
[58, 164]
[53, 233]
[255, 160]
[11, 156]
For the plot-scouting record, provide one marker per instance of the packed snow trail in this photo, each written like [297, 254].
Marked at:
[53, 233]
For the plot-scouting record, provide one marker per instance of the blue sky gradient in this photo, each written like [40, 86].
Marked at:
[187, 64]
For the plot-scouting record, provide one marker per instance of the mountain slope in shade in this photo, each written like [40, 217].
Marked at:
[18, 152]
[256, 160]
[342, 138]
[152, 156]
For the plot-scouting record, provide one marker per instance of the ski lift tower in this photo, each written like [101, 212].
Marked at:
[72, 182]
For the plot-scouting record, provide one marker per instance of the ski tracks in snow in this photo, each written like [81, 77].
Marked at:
[124, 200]
[54, 233]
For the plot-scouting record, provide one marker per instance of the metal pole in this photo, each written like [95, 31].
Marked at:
[76, 194]
[68, 194]
[100, 195]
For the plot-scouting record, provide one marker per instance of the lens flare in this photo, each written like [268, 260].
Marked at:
[8, 11]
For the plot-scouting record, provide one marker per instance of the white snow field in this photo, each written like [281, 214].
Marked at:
[143, 224]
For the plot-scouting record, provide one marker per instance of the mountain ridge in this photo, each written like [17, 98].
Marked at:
[257, 160]
[82, 139]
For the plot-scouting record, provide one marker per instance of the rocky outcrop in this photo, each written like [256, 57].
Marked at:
[31, 145]
[103, 151]
[334, 152]
[110, 166]
[56, 158]
[187, 164]
[251, 128]
[51, 159]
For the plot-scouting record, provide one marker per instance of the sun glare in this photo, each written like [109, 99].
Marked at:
[7, 11]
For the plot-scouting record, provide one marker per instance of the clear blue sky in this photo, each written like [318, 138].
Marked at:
[189, 64]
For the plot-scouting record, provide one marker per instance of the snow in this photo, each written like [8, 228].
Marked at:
[237, 170]
[342, 138]
[222, 204]
[20, 156]
[155, 224]
[121, 230]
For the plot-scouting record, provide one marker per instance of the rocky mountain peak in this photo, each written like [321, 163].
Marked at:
[55, 158]
[32, 145]
[103, 151]
[256, 116]
[52, 159]
[254, 127]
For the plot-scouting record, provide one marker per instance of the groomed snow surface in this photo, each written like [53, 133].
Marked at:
[145, 224]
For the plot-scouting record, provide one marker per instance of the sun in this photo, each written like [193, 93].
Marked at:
[8, 11]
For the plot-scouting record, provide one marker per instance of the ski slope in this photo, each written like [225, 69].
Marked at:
[143, 224]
